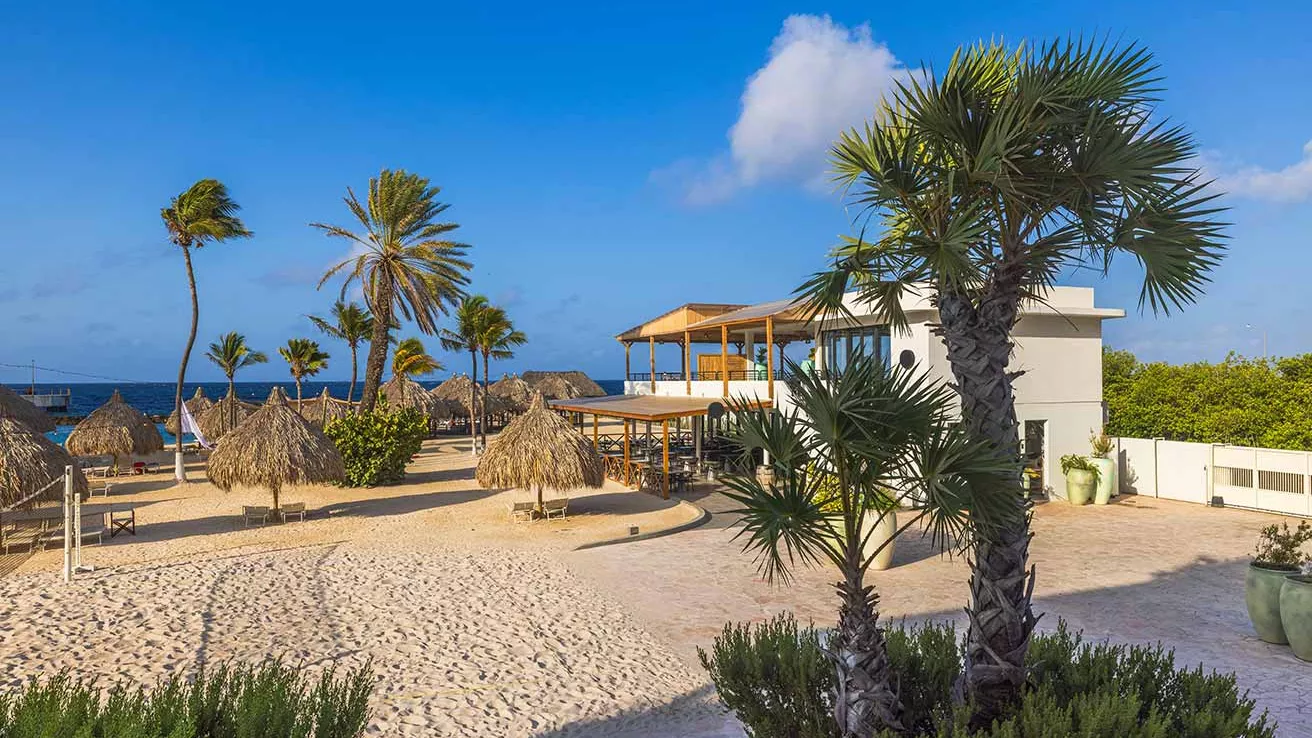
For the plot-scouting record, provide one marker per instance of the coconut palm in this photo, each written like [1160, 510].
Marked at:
[304, 359]
[989, 182]
[352, 324]
[470, 318]
[231, 354]
[402, 260]
[411, 360]
[496, 339]
[855, 448]
[203, 214]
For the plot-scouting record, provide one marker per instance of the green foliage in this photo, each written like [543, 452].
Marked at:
[231, 701]
[775, 678]
[376, 445]
[1280, 547]
[1073, 462]
[1251, 402]
[1101, 444]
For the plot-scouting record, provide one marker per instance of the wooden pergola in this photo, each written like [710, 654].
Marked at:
[781, 322]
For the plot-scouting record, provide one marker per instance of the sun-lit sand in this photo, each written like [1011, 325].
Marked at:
[473, 624]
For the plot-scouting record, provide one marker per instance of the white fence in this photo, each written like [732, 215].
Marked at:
[1214, 474]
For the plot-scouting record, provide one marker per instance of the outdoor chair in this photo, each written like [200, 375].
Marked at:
[93, 526]
[102, 490]
[18, 534]
[258, 514]
[122, 520]
[521, 510]
[556, 507]
[293, 510]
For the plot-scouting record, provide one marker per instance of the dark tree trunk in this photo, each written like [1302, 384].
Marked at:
[350, 393]
[232, 406]
[979, 348]
[865, 702]
[373, 366]
[483, 409]
[473, 400]
[180, 471]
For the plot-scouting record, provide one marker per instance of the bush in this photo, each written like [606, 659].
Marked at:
[268, 701]
[376, 446]
[1076, 689]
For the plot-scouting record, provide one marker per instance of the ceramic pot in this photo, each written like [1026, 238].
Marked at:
[1262, 595]
[1106, 480]
[884, 529]
[1079, 486]
[1296, 614]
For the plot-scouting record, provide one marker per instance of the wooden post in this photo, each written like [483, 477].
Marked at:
[652, 344]
[68, 524]
[665, 478]
[626, 452]
[724, 357]
[687, 363]
[596, 436]
[628, 371]
[769, 359]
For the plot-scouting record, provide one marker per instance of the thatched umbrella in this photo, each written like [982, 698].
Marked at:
[540, 449]
[115, 429]
[198, 404]
[29, 460]
[274, 448]
[324, 409]
[12, 405]
[582, 385]
[513, 391]
[458, 389]
[224, 416]
[403, 392]
[554, 387]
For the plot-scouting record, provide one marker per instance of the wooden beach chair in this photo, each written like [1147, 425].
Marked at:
[521, 510]
[258, 514]
[292, 510]
[99, 489]
[20, 533]
[556, 507]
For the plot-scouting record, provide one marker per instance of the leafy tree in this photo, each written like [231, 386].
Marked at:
[471, 318]
[985, 184]
[352, 324]
[404, 262]
[304, 359]
[409, 359]
[497, 337]
[202, 214]
[231, 354]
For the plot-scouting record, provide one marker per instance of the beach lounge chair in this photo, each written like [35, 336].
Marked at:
[521, 510]
[258, 514]
[18, 534]
[93, 526]
[556, 507]
[99, 489]
[293, 510]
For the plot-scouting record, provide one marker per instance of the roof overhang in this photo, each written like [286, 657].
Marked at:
[653, 407]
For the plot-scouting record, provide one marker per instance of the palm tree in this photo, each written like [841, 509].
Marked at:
[409, 359]
[402, 260]
[471, 317]
[230, 353]
[1016, 165]
[202, 214]
[496, 339]
[352, 324]
[855, 449]
[304, 359]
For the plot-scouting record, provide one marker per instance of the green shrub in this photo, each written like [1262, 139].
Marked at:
[268, 701]
[775, 678]
[376, 446]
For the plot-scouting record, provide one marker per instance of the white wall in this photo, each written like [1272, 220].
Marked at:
[1231, 476]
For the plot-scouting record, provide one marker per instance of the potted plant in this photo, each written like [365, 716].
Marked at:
[1102, 451]
[1081, 478]
[879, 523]
[1277, 557]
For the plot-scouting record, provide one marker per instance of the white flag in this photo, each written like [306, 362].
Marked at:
[189, 426]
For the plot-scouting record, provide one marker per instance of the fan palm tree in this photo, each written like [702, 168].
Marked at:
[352, 324]
[986, 185]
[202, 214]
[409, 359]
[230, 353]
[304, 359]
[853, 450]
[402, 260]
[497, 338]
[471, 317]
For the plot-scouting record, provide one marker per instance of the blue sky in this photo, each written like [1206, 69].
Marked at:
[606, 161]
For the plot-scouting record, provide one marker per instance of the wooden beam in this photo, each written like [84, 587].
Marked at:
[687, 364]
[628, 371]
[724, 357]
[769, 359]
[665, 478]
[596, 435]
[652, 344]
[626, 453]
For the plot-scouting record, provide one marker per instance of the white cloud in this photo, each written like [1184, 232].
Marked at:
[1291, 184]
[821, 78]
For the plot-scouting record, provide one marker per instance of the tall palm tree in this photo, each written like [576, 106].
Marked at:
[410, 359]
[496, 340]
[855, 449]
[471, 316]
[402, 260]
[230, 353]
[304, 359]
[352, 324]
[202, 214]
[988, 183]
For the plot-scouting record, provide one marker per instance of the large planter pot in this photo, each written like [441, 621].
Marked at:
[1106, 480]
[1262, 595]
[1296, 614]
[765, 475]
[1079, 486]
[884, 529]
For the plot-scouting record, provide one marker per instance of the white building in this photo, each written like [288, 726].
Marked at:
[1058, 349]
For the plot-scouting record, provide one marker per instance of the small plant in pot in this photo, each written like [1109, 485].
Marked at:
[1278, 555]
[879, 526]
[1101, 451]
[1081, 478]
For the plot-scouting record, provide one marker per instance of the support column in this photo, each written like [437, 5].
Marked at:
[769, 359]
[596, 435]
[724, 357]
[652, 345]
[628, 371]
[687, 363]
[665, 478]
[626, 453]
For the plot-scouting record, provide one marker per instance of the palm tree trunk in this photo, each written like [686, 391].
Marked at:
[232, 406]
[350, 393]
[179, 467]
[484, 408]
[1001, 585]
[373, 367]
[473, 401]
[298, 393]
[865, 702]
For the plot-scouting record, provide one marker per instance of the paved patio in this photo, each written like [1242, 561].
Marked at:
[1140, 570]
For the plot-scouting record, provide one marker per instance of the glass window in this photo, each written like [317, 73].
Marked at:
[842, 345]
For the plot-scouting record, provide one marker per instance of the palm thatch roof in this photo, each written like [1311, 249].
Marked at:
[198, 404]
[582, 384]
[115, 429]
[324, 409]
[224, 416]
[12, 405]
[554, 387]
[403, 392]
[275, 447]
[513, 391]
[538, 450]
[457, 389]
[29, 461]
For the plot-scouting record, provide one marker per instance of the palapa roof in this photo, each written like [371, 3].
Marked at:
[582, 383]
[324, 409]
[224, 416]
[540, 449]
[30, 461]
[275, 447]
[12, 405]
[456, 390]
[513, 391]
[403, 392]
[198, 404]
[115, 429]
[554, 387]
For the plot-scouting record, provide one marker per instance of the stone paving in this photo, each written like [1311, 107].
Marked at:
[1140, 570]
